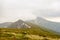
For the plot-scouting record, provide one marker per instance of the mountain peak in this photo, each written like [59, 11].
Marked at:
[19, 24]
[48, 24]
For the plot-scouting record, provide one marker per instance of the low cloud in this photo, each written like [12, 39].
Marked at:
[45, 8]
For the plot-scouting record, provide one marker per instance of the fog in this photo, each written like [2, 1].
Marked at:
[12, 10]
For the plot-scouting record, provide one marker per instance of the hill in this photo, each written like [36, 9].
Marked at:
[55, 26]
[19, 24]
[5, 25]
[21, 30]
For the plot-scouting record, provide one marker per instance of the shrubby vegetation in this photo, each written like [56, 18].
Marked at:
[20, 34]
[34, 33]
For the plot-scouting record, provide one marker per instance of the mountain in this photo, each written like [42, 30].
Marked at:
[19, 24]
[5, 25]
[20, 29]
[55, 26]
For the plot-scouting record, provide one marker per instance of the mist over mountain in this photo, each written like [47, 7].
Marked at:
[24, 30]
[5, 25]
[47, 24]
[55, 26]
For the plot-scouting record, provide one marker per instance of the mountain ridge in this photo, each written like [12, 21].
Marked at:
[47, 24]
[19, 24]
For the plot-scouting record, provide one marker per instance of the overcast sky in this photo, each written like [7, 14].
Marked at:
[12, 10]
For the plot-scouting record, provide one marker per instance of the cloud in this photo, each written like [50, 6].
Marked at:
[51, 10]
[47, 13]
[19, 8]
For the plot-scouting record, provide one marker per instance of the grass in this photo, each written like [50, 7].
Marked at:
[33, 33]
[25, 34]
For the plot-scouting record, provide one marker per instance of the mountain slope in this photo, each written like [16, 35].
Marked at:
[47, 24]
[5, 25]
[19, 24]
[35, 30]
[27, 31]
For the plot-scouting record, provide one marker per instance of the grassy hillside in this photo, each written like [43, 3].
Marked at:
[34, 33]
